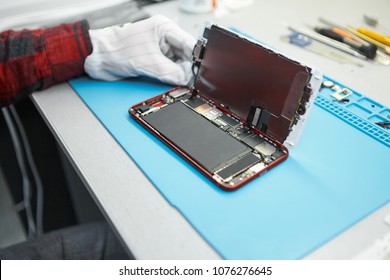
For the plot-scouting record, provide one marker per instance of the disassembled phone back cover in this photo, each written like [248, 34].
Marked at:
[246, 105]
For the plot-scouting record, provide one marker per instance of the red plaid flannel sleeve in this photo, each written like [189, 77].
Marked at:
[31, 60]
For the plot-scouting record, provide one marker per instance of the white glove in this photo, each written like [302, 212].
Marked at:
[155, 47]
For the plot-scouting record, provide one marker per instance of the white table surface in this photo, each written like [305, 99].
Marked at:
[146, 223]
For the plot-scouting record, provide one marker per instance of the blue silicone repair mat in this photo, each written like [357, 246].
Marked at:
[334, 177]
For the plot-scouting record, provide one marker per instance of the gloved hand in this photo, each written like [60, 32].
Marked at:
[155, 47]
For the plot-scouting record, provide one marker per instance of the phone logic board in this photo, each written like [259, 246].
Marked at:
[218, 143]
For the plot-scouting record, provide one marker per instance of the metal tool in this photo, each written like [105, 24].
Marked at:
[327, 41]
[384, 124]
[385, 48]
[343, 28]
[368, 51]
[307, 43]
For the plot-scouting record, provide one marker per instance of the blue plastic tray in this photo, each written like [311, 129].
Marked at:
[334, 177]
[359, 111]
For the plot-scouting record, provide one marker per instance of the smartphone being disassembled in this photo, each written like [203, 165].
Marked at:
[247, 104]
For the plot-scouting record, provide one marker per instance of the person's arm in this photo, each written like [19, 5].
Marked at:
[32, 60]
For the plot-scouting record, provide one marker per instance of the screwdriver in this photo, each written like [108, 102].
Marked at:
[335, 26]
[385, 48]
[310, 44]
[327, 41]
[368, 51]
[374, 35]
[343, 33]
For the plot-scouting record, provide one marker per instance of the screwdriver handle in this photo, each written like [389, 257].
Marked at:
[330, 34]
[385, 48]
[376, 36]
[368, 51]
[343, 33]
